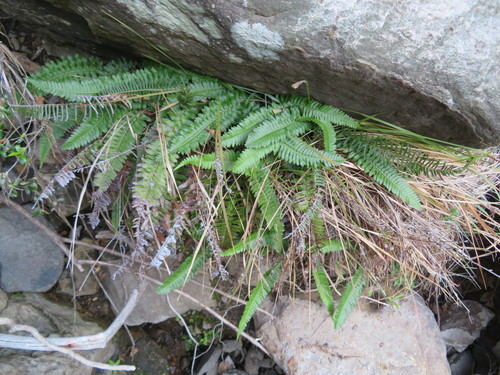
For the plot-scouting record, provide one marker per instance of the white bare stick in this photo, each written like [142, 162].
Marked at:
[36, 335]
[96, 341]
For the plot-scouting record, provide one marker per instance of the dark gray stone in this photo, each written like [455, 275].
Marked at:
[462, 325]
[429, 66]
[29, 260]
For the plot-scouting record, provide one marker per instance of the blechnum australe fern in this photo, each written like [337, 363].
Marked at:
[147, 133]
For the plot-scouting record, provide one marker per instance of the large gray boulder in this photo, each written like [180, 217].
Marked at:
[430, 66]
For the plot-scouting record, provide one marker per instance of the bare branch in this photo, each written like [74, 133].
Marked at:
[66, 345]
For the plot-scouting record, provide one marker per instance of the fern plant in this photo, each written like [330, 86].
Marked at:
[154, 128]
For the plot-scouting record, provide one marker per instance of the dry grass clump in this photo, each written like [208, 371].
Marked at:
[401, 248]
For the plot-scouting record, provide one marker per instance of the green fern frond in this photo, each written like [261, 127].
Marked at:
[324, 290]
[152, 175]
[206, 88]
[207, 161]
[296, 151]
[48, 140]
[145, 81]
[376, 165]
[117, 145]
[119, 66]
[237, 135]
[277, 130]
[350, 295]
[263, 191]
[411, 160]
[186, 271]
[250, 157]
[329, 134]
[253, 241]
[221, 112]
[259, 293]
[45, 144]
[74, 90]
[334, 245]
[180, 117]
[324, 113]
[91, 129]
[70, 68]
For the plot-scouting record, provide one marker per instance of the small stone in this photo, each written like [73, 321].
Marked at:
[29, 260]
[462, 325]
[209, 362]
[461, 363]
[235, 371]
[253, 361]
[230, 346]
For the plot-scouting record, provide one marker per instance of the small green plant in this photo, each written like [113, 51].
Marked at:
[197, 323]
[14, 145]
[114, 363]
[190, 164]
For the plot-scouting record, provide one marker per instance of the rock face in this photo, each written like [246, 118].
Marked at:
[431, 67]
[387, 341]
[79, 283]
[29, 260]
[51, 319]
[152, 307]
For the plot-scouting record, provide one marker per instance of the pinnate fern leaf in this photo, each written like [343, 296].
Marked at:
[321, 112]
[186, 271]
[221, 112]
[69, 68]
[91, 129]
[267, 199]
[237, 135]
[376, 165]
[324, 290]
[259, 293]
[296, 151]
[118, 145]
[256, 239]
[350, 295]
[207, 161]
[251, 157]
[277, 130]
[151, 182]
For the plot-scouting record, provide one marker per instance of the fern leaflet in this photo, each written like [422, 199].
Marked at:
[350, 295]
[186, 271]
[277, 130]
[251, 242]
[251, 157]
[324, 290]
[259, 293]
[380, 169]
